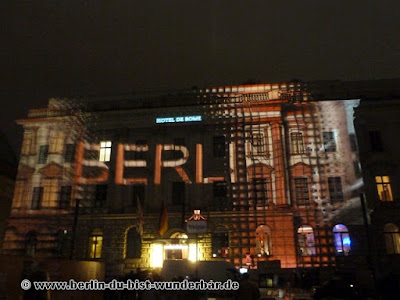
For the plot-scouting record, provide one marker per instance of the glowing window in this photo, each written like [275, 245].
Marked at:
[56, 142]
[50, 192]
[383, 188]
[392, 238]
[95, 244]
[19, 192]
[342, 239]
[105, 151]
[27, 143]
[305, 239]
[263, 241]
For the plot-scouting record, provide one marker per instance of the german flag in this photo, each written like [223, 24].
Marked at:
[163, 222]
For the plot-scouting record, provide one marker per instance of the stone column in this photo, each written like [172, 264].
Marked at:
[279, 164]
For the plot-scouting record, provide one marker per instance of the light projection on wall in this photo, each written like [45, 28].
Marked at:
[159, 163]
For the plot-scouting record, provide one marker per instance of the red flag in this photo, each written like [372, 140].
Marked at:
[163, 223]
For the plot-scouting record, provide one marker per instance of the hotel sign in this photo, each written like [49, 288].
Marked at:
[179, 119]
[196, 226]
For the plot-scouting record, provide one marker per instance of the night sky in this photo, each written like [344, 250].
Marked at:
[109, 47]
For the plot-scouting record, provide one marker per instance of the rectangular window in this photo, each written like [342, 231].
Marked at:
[329, 141]
[375, 139]
[296, 140]
[69, 156]
[100, 195]
[19, 192]
[50, 192]
[56, 142]
[65, 196]
[37, 196]
[219, 146]
[178, 193]
[335, 189]
[105, 151]
[257, 143]
[43, 153]
[96, 243]
[27, 143]
[301, 191]
[220, 195]
[260, 189]
[383, 188]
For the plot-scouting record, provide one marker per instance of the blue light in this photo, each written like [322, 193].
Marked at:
[346, 241]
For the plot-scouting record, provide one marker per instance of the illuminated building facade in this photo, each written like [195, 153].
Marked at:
[272, 171]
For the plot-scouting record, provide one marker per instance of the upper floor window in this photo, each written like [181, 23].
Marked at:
[105, 151]
[219, 146]
[383, 188]
[296, 140]
[335, 189]
[19, 192]
[392, 238]
[306, 242]
[56, 142]
[342, 239]
[37, 197]
[100, 195]
[138, 194]
[28, 144]
[95, 244]
[50, 192]
[301, 191]
[375, 139]
[257, 142]
[43, 153]
[329, 141]
[69, 153]
[65, 196]
[219, 195]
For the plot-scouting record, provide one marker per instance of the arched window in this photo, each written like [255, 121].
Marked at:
[133, 244]
[263, 240]
[392, 238]
[342, 239]
[95, 243]
[305, 239]
[30, 243]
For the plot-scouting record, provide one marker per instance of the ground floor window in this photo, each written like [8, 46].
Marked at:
[95, 244]
[342, 239]
[392, 238]
[306, 242]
